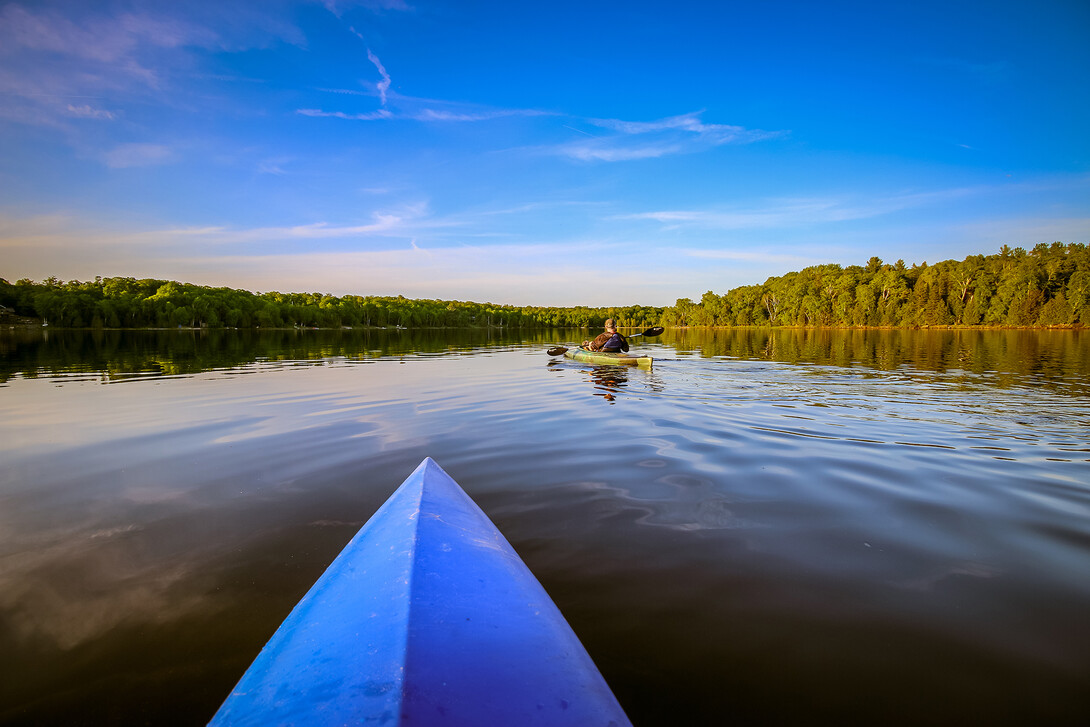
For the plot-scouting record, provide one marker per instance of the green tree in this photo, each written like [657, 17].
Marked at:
[1056, 312]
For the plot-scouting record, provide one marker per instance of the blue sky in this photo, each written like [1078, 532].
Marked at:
[560, 153]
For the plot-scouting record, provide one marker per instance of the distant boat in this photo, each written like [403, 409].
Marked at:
[605, 357]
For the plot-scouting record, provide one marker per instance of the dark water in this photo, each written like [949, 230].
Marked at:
[791, 528]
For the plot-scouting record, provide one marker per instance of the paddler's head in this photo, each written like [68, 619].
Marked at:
[610, 326]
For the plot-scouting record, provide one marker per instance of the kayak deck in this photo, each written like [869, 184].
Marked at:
[602, 357]
[427, 617]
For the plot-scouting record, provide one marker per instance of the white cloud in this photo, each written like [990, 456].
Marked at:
[606, 152]
[778, 215]
[109, 43]
[63, 238]
[137, 155]
[273, 166]
[798, 212]
[427, 114]
[433, 115]
[383, 85]
[88, 112]
[713, 133]
[633, 140]
[337, 7]
[366, 116]
[401, 261]
[54, 33]
[521, 274]
[407, 107]
[400, 222]
[52, 53]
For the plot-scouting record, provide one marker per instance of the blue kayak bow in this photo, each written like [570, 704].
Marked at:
[427, 617]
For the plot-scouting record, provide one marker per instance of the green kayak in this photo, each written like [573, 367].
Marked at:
[601, 357]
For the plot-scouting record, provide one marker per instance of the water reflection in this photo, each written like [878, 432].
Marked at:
[115, 355]
[741, 524]
[608, 381]
[1059, 359]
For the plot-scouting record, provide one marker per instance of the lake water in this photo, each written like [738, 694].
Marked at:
[884, 527]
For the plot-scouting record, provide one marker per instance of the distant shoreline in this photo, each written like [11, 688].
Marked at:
[29, 324]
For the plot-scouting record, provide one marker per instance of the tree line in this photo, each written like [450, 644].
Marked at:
[1046, 286]
[148, 303]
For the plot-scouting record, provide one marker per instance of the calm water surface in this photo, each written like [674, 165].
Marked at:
[787, 528]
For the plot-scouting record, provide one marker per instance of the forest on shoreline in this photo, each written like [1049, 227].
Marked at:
[1046, 286]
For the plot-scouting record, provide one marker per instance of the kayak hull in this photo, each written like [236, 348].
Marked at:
[614, 359]
[427, 617]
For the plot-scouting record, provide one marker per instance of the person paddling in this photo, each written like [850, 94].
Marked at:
[610, 341]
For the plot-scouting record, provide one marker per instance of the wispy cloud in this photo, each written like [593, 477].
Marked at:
[395, 222]
[410, 108]
[632, 140]
[273, 166]
[54, 33]
[400, 222]
[138, 155]
[520, 274]
[53, 55]
[365, 116]
[484, 115]
[404, 261]
[338, 7]
[427, 114]
[57, 67]
[796, 212]
[792, 213]
[713, 133]
[89, 112]
[383, 85]
[542, 206]
[606, 151]
[111, 44]
[74, 246]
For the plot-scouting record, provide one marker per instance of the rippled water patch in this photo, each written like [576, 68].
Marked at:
[742, 539]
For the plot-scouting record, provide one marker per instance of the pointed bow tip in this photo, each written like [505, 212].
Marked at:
[430, 475]
[430, 465]
[425, 464]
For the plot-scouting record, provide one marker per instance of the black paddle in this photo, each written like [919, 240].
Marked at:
[653, 331]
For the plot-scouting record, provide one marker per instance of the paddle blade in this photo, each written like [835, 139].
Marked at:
[558, 351]
[656, 331]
